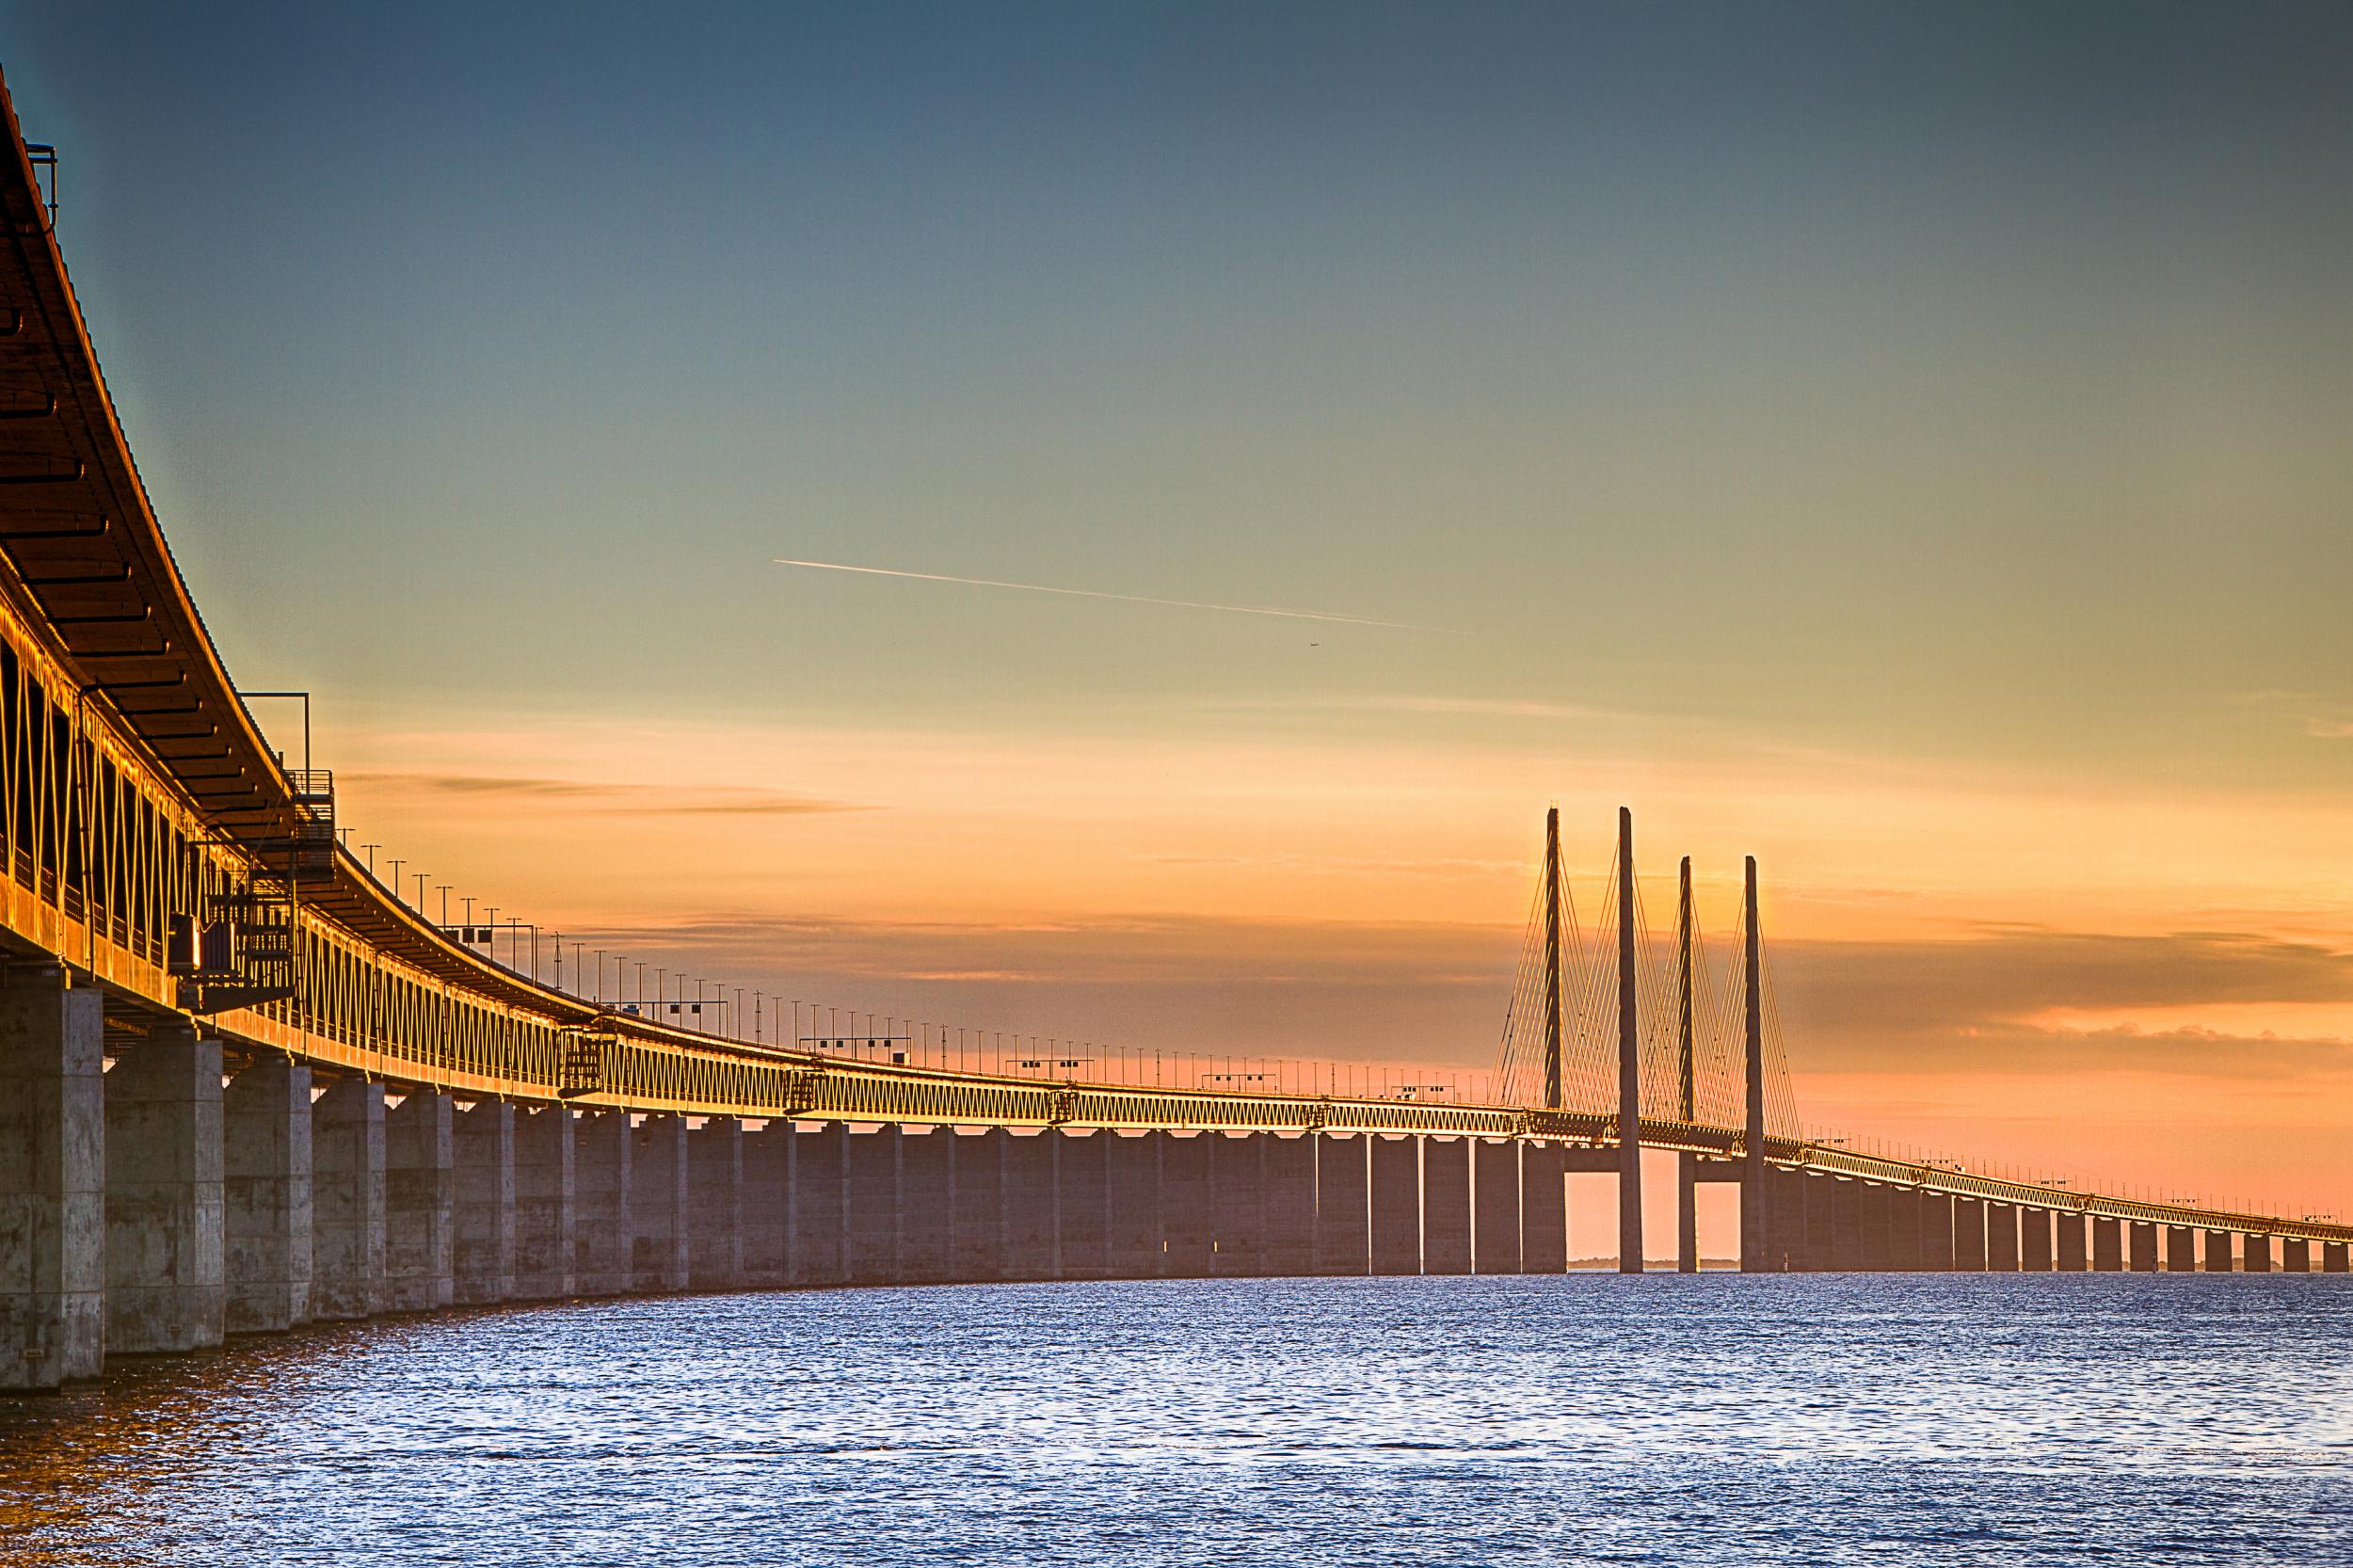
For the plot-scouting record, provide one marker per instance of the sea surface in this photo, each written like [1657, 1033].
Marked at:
[1716, 1419]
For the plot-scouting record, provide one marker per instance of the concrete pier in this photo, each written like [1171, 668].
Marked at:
[2219, 1249]
[1936, 1232]
[1289, 1249]
[1135, 1205]
[979, 1206]
[2255, 1254]
[926, 1200]
[872, 1206]
[419, 1184]
[1083, 1174]
[2296, 1256]
[2181, 1250]
[2333, 1258]
[1496, 1206]
[2107, 1245]
[1969, 1250]
[1822, 1223]
[767, 1203]
[165, 1285]
[1187, 1219]
[1031, 1235]
[601, 1172]
[2142, 1240]
[1396, 1206]
[1237, 1174]
[1446, 1206]
[1877, 1228]
[1904, 1250]
[821, 1213]
[714, 1205]
[482, 1245]
[347, 1200]
[1544, 1210]
[657, 1206]
[2073, 1257]
[1846, 1225]
[266, 1215]
[2001, 1237]
[1343, 1225]
[53, 1183]
[546, 1238]
[1792, 1222]
[2036, 1250]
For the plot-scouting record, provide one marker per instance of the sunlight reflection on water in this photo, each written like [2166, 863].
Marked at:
[1911, 1419]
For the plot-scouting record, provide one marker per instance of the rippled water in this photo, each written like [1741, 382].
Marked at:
[1903, 1420]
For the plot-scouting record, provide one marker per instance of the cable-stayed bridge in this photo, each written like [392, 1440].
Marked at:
[244, 1084]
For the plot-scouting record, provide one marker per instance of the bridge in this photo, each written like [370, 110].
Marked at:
[244, 1085]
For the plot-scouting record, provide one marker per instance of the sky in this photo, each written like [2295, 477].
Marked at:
[1905, 443]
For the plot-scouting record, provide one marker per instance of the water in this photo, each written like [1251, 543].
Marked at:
[1896, 1420]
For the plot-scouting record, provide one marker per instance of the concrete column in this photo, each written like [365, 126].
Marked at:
[1846, 1225]
[53, 1181]
[2181, 1250]
[1237, 1173]
[1083, 1174]
[1936, 1232]
[420, 1189]
[2296, 1256]
[482, 1245]
[1185, 1211]
[1135, 1203]
[2001, 1237]
[2107, 1245]
[767, 1198]
[980, 1207]
[1290, 1205]
[657, 1206]
[1544, 1209]
[1446, 1206]
[1396, 1206]
[603, 1176]
[347, 1200]
[1786, 1216]
[821, 1216]
[267, 1212]
[2219, 1249]
[2073, 1257]
[1969, 1235]
[1904, 1229]
[545, 1231]
[714, 1205]
[1031, 1227]
[2255, 1254]
[1879, 1229]
[164, 1289]
[926, 1199]
[1496, 1206]
[1343, 1223]
[2034, 1241]
[1686, 1213]
[2144, 1248]
[2332, 1257]
[1822, 1223]
[870, 1238]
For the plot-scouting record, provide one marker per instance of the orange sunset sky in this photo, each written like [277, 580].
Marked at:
[1909, 449]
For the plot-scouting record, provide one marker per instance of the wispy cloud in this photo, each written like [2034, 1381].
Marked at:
[632, 800]
[1125, 598]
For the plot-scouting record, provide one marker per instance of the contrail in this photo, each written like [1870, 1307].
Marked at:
[1127, 599]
